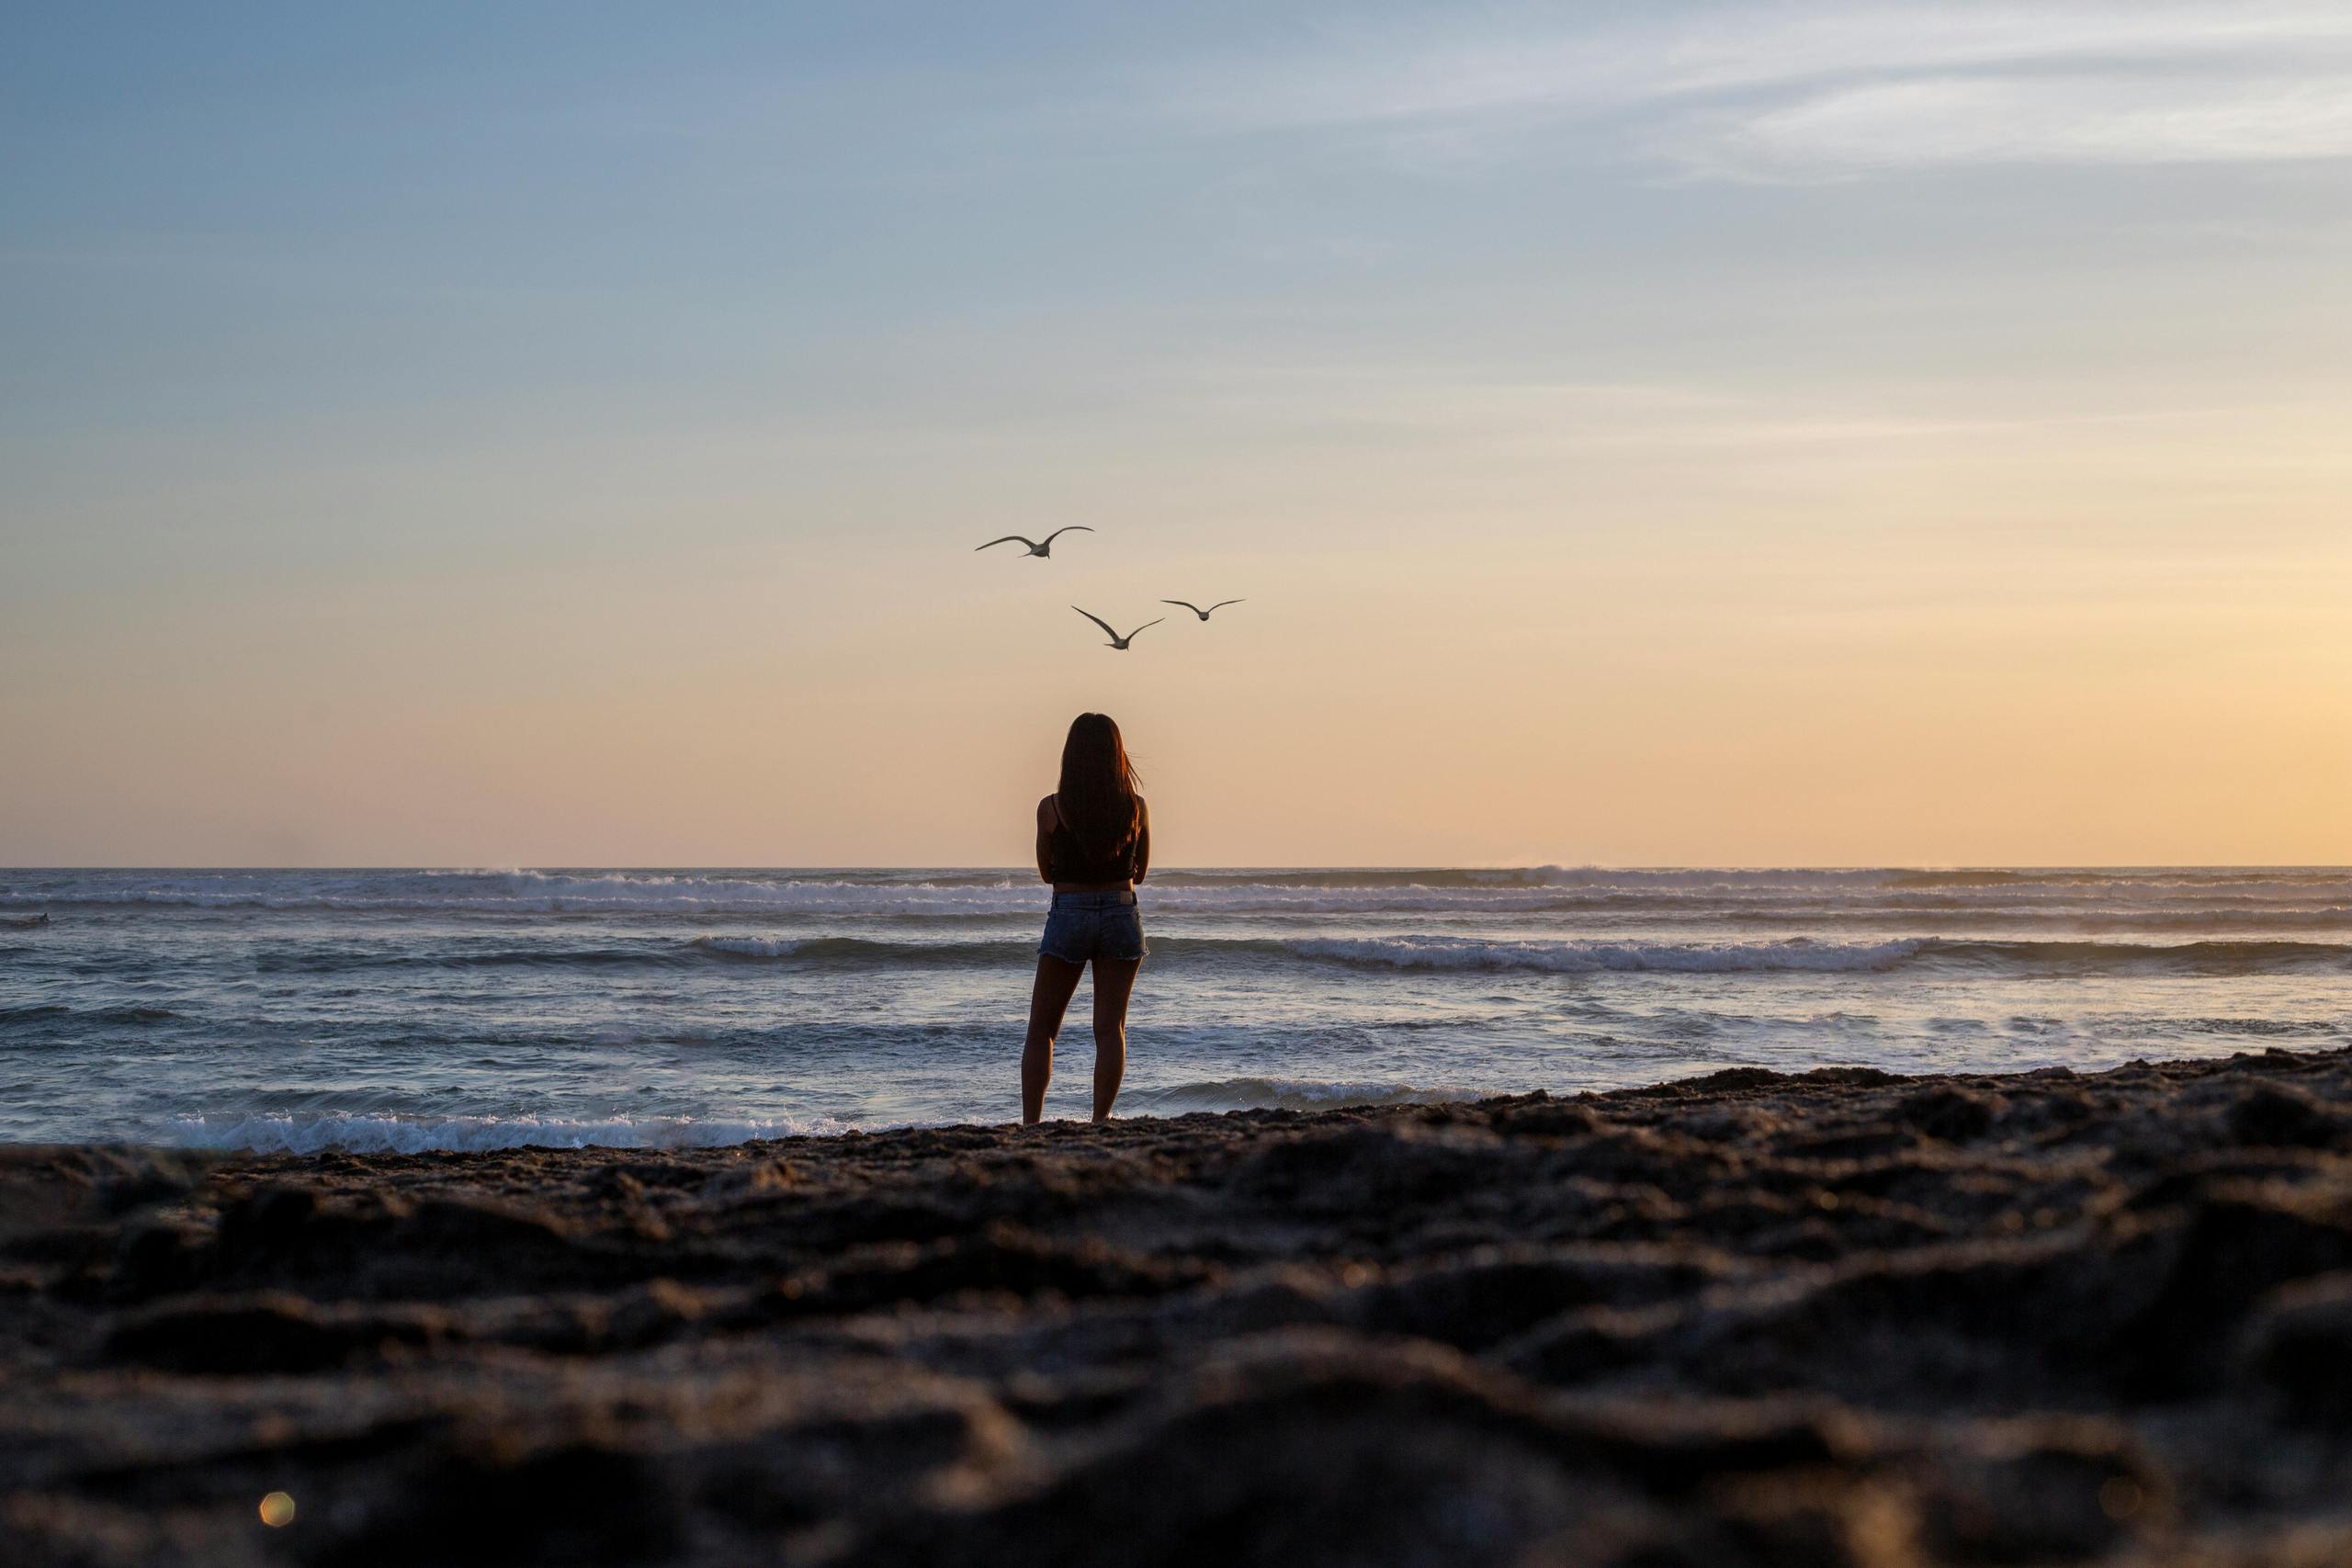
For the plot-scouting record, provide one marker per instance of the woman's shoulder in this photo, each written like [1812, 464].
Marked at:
[1048, 812]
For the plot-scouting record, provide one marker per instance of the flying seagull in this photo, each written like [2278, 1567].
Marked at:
[1198, 610]
[1116, 640]
[1035, 547]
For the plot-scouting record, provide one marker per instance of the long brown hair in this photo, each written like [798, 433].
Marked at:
[1099, 797]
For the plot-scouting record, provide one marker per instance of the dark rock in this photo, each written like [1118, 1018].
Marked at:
[2229, 1252]
[2040, 1491]
[754, 1178]
[1680, 1446]
[501, 1502]
[1293, 1453]
[1718, 1082]
[2283, 1116]
[1547, 1118]
[1005, 1259]
[260, 1334]
[138, 1189]
[653, 1314]
[1370, 1169]
[1807, 1521]
[44, 1189]
[158, 1259]
[2298, 1348]
[1955, 1116]
[1478, 1301]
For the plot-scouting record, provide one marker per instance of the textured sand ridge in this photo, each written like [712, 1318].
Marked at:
[1842, 1318]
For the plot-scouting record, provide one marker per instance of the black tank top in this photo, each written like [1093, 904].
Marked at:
[1072, 863]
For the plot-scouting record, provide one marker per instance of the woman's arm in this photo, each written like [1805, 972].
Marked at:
[1047, 817]
[1143, 840]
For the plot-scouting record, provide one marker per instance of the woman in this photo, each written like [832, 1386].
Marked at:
[1093, 845]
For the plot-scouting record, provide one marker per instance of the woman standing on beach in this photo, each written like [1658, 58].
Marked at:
[1093, 845]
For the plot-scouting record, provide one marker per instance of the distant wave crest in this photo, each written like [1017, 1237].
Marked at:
[1588, 957]
[2316, 893]
[1573, 957]
[858, 950]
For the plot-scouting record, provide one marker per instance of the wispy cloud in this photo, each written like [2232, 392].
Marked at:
[1466, 403]
[2064, 119]
[1791, 92]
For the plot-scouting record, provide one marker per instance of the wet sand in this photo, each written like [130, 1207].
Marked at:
[1838, 1318]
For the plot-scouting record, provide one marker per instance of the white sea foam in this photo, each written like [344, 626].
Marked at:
[360, 1134]
[357, 1133]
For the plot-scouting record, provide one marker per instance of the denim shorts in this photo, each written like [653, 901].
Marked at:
[1092, 925]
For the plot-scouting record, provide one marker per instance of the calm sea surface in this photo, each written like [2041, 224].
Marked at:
[405, 1009]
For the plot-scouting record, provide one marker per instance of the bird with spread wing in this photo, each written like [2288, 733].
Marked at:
[1116, 640]
[1198, 611]
[1038, 549]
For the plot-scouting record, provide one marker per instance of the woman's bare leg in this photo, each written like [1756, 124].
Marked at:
[1056, 978]
[1114, 981]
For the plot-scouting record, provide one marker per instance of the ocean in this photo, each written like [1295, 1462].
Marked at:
[410, 1011]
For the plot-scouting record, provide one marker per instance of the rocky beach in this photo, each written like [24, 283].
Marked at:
[1837, 1317]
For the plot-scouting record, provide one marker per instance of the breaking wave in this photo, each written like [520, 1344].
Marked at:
[1423, 951]
[1593, 957]
[1803, 955]
[1583, 957]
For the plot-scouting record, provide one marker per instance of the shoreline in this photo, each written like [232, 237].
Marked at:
[1842, 1316]
[465, 1010]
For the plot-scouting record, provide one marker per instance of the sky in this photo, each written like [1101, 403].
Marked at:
[1676, 433]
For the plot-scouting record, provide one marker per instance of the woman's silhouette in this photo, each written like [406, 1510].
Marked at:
[1093, 845]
